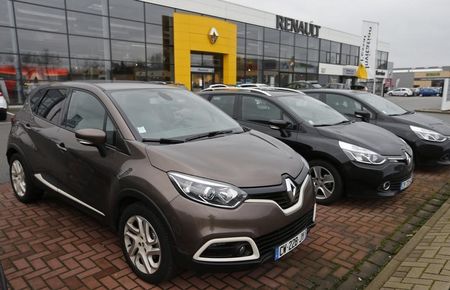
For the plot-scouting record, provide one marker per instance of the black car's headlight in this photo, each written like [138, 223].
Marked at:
[208, 192]
[360, 154]
[428, 135]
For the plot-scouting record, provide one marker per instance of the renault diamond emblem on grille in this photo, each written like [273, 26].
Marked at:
[291, 189]
[213, 35]
[408, 158]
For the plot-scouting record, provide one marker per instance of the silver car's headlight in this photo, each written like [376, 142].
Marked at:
[360, 154]
[207, 191]
[428, 135]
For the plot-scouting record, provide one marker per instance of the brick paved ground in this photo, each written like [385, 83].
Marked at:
[424, 263]
[52, 245]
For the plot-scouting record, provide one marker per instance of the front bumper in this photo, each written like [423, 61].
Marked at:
[432, 153]
[261, 223]
[369, 180]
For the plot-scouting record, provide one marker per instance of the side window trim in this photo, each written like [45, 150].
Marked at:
[44, 92]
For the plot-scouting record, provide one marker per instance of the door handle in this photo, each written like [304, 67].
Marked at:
[61, 147]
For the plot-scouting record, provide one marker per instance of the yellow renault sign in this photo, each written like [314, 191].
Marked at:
[200, 34]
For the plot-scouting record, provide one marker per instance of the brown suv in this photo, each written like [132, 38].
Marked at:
[174, 175]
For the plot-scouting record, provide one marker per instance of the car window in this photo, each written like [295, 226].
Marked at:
[84, 112]
[112, 135]
[342, 104]
[35, 99]
[259, 110]
[225, 103]
[50, 106]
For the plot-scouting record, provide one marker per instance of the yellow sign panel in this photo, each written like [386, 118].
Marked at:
[201, 34]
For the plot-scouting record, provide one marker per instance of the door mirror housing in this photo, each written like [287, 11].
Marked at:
[363, 115]
[280, 125]
[92, 137]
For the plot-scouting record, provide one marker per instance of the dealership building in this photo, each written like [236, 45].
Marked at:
[190, 42]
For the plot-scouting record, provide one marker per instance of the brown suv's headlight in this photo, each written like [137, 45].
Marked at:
[207, 191]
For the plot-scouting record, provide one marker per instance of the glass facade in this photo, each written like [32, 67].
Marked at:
[58, 40]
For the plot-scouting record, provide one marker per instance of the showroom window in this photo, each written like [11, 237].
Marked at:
[87, 24]
[127, 9]
[91, 6]
[40, 18]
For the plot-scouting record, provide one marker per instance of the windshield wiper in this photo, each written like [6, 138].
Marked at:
[163, 140]
[405, 113]
[338, 123]
[208, 135]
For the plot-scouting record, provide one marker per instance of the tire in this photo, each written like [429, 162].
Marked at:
[134, 218]
[329, 191]
[420, 95]
[22, 180]
[405, 95]
[389, 94]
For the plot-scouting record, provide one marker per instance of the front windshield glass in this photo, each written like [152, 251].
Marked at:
[171, 113]
[313, 111]
[381, 104]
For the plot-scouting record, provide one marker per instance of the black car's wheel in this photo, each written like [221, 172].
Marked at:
[327, 181]
[22, 181]
[146, 244]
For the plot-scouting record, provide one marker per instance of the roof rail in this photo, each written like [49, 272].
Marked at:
[256, 90]
[284, 89]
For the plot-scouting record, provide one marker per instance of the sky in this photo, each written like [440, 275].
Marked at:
[418, 31]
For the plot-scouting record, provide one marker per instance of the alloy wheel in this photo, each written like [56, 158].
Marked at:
[323, 181]
[18, 178]
[142, 244]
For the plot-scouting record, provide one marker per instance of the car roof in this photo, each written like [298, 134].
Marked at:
[260, 91]
[111, 85]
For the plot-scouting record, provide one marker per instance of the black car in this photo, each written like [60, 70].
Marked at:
[3, 282]
[427, 136]
[345, 156]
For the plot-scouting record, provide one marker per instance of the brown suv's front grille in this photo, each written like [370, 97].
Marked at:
[276, 193]
[267, 243]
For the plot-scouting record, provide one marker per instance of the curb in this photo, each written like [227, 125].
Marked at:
[392, 266]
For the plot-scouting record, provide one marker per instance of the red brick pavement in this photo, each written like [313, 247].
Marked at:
[52, 245]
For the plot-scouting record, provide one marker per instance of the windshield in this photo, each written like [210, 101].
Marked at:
[313, 111]
[171, 113]
[381, 104]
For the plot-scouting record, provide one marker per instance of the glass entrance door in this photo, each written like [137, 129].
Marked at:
[201, 81]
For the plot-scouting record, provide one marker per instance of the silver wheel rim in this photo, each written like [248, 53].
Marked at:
[142, 244]
[18, 178]
[323, 182]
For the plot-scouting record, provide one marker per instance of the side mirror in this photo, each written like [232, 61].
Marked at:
[280, 125]
[92, 137]
[363, 115]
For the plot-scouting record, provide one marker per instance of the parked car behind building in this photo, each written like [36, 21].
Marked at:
[404, 92]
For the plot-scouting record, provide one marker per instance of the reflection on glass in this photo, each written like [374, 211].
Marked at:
[254, 47]
[270, 63]
[301, 40]
[85, 69]
[127, 9]
[301, 53]
[88, 47]
[286, 51]
[313, 55]
[91, 6]
[313, 43]
[287, 64]
[196, 59]
[133, 71]
[37, 69]
[271, 49]
[8, 74]
[128, 51]
[7, 40]
[41, 18]
[158, 14]
[254, 32]
[240, 45]
[159, 72]
[287, 38]
[52, 3]
[42, 43]
[87, 24]
[155, 53]
[154, 33]
[127, 30]
[271, 35]
[6, 13]
[253, 69]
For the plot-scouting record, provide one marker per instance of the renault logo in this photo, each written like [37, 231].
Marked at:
[213, 35]
[291, 189]
[408, 158]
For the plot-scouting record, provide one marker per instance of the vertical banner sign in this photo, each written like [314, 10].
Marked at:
[368, 50]
[445, 104]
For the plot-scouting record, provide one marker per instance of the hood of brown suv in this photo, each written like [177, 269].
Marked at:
[250, 159]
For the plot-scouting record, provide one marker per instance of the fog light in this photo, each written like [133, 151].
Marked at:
[386, 185]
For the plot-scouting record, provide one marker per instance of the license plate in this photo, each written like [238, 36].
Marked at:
[405, 184]
[285, 248]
